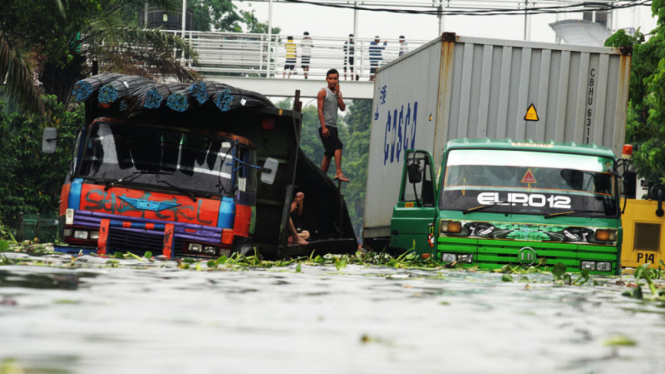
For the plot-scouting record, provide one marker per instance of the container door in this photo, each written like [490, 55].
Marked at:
[414, 214]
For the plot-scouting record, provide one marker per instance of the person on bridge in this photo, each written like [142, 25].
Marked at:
[349, 56]
[291, 56]
[329, 99]
[306, 52]
[403, 46]
[375, 55]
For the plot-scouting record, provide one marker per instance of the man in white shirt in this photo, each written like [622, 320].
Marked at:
[306, 45]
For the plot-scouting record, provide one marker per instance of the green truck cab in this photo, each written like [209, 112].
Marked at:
[501, 202]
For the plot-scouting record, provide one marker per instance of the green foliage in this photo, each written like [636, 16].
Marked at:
[645, 123]
[559, 270]
[31, 179]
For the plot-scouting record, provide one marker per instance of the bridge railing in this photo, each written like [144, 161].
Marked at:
[254, 55]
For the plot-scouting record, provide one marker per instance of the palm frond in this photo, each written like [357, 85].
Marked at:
[18, 76]
[145, 52]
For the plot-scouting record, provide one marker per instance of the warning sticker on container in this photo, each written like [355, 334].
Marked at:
[528, 177]
[531, 114]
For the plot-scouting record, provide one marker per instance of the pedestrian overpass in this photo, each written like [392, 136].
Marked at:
[256, 62]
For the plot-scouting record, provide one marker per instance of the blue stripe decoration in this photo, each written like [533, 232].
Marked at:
[223, 99]
[107, 95]
[199, 91]
[227, 211]
[177, 102]
[74, 201]
[152, 99]
[82, 90]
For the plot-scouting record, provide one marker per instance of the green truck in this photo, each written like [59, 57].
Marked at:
[501, 202]
[497, 137]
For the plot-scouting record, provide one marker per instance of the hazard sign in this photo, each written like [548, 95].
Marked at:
[531, 114]
[528, 177]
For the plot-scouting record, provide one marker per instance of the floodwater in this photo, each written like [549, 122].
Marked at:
[160, 319]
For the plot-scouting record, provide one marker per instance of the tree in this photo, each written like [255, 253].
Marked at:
[51, 42]
[645, 123]
[32, 180]
[356, 156]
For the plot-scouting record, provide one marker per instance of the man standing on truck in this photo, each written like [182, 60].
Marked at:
[329, 99]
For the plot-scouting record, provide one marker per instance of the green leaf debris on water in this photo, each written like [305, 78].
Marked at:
[617, 341]
[558, 271]
[506, 278]
[340, 264]
[298, 268]
[4, 245]
[66, 301]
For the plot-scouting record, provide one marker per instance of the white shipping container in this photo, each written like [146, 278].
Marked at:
[458, 87]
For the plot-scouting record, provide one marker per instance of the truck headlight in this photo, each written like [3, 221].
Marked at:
[69, 217]
[209, 250]
[67, 232]
[81, 234]
[448, 257]
[195, 247]
[604, 266]
[606, 235]
[588, 265]
[465, 258]
[452, 227]
[94, 234]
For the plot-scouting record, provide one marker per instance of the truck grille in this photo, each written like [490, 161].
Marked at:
[136, 242]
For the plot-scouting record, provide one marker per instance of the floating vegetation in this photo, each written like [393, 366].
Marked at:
[646, 274]
[28, 253]
[618, 341]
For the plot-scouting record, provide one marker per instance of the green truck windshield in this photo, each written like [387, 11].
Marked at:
[528, 182]
[115, 153]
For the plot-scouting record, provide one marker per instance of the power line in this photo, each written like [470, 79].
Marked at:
[559, 9]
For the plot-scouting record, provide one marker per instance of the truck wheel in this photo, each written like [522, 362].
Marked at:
[247, 250]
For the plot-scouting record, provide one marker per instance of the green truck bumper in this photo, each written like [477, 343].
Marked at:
[494, 254]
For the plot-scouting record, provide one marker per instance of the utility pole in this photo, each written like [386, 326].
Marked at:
[440, 16]
[526, 20]
[184, 17]
[269, 38]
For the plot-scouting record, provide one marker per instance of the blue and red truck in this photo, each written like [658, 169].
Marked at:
[203, 182]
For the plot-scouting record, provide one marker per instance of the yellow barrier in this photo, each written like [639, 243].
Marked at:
[643, 239]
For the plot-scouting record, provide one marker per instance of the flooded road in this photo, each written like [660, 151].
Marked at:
[155, 318]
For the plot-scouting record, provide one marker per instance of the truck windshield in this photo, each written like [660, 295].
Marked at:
[154, 156]
[529, 182]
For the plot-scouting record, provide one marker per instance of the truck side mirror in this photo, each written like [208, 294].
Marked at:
[49, 139]
[415, 173]
[269, 170]
[658, 193]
